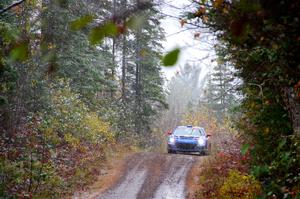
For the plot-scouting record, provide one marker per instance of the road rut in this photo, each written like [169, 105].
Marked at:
[152, 176]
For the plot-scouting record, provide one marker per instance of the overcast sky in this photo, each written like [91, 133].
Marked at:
[192, 50]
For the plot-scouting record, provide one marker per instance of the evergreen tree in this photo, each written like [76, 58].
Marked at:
[61, 101]
[220, 94]
[141, 88]
[71, 55]
[184, 93]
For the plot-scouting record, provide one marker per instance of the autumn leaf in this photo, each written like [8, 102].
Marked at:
[297, 85]
[200, 12]
[237, 27]
[17, 9]
[202, 9]
[182, 22]
[225, 10]
[121, 29]
[196, 35]
[205, 19]
[143, 53]
[218, 3]
[267, 130]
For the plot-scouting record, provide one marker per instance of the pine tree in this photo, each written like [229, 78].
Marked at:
[71, 55]
[184, 93]
[220, 95]
[141, 82]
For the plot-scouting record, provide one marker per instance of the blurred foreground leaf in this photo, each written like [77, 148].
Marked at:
[97, 34]
[136, 22]
[244, 149]
[82, 22]
[20, 52]
[171, 57]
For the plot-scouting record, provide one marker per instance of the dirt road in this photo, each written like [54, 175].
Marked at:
[152, 176]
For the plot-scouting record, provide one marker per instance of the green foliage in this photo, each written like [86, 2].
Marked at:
[60, 107]
[244, 149]
[136, 22]
[25, 168]
[99, 33]
[72, 116]
[261, 38]
[55, 149]
[274, 155]
[81, 23]
[220, 94]
[20, 52]
[171, 57]
[9, 33]
[142, 94]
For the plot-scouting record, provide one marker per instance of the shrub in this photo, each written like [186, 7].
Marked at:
[239, 186]
[56, 151]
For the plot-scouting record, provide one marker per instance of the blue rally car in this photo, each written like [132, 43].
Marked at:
[188, 139]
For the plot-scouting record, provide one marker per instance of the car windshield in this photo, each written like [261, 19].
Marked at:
[197, 132]
[187, 131]
[183, 131]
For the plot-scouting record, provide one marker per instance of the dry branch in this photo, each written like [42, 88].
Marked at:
[11, 6]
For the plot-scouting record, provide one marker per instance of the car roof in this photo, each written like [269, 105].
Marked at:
[190, 126]
[198, 127]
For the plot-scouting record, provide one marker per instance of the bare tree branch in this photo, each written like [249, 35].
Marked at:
[261, 94]
[11, 6]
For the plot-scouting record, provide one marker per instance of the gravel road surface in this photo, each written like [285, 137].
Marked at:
[152, 176]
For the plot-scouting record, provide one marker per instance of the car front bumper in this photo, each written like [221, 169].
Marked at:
[186, 147]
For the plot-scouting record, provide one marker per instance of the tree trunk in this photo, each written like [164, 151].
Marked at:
[46, 35]
[113, 54]
[123, 80]
[292, 104]
[138, 83]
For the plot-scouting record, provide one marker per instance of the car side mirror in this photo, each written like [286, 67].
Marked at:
[169, 132]
[208, 135]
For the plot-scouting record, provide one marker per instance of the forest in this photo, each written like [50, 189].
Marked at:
[82, 79]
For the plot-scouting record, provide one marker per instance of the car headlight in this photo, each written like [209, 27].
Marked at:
[201, 142]
[171, 140]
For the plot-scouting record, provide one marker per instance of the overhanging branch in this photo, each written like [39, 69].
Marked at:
[11, 6]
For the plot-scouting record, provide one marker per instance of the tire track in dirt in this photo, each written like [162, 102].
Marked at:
[152, 176]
